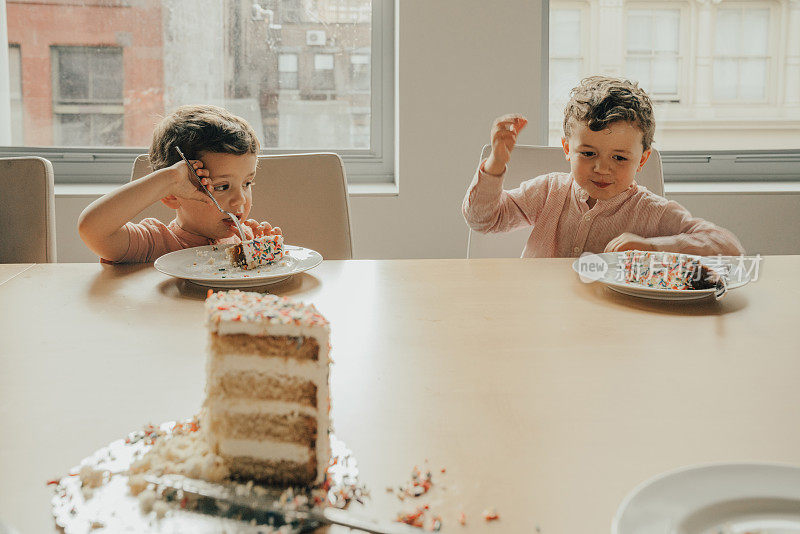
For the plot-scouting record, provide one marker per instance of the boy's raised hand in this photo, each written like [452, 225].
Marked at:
[183, 183]
[263, 228]
[503, 137]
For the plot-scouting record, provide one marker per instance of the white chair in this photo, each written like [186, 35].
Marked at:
[529, 162]
[27, 211]
[304, 194]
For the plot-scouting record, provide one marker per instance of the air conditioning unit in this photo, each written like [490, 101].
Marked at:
[315, 37]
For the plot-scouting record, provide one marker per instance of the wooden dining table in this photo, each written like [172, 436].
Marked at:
[521, 389]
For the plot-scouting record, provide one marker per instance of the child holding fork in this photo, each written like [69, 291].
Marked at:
[597, 206]
[223, 150]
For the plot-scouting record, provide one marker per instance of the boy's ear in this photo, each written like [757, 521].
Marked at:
[565, 144]
[644, 159]
[171, 201]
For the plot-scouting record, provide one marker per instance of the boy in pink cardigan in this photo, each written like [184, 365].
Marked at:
[597, 206]
[223, 149]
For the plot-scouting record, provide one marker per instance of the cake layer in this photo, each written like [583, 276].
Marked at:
[278, 472]
[221, 363]
[263, 386]
[286, 428]
[265, 450]
[301, 348]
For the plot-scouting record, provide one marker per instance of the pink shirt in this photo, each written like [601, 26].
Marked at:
[152, 238]
[564, 225]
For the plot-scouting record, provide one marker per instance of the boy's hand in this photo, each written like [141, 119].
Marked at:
[262, 229]
[628, 241]
[504, 136]
[184, 183]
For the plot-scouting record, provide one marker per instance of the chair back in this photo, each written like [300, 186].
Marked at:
[304, 194]
[27, 211]
[529, 162]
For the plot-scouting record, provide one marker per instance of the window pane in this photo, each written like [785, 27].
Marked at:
[565, 32]
[639, 69]
[665, 76]
[727, 32]
[756, 33]
[564, 75]
[726, 78]
[73, 74]
[639, 32]
[666, 31]
[273, 62]
[752, 79]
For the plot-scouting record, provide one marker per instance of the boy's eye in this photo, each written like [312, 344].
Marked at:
[223, 187]
[620, 158]
[587, 154]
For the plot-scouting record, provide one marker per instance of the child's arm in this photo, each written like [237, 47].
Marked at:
[102, 223]
[486, 207]
[680, 232]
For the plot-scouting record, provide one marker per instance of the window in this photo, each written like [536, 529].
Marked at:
[323, 78]
[15, 78]
[652, 51]
[275, 63]
[725, 90]
[87, 96]
[566, 52]
[287, 71]
[741, 54]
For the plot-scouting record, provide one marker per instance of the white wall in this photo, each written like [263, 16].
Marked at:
[461, 63]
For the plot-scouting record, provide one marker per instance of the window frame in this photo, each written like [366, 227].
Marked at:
[82, 165]
[703, 166]
[652, 54]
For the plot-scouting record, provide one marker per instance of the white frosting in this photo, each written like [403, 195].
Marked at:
[265, 450]
[235, 363]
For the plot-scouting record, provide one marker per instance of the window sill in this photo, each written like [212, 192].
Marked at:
[94, 190]
[730, 188]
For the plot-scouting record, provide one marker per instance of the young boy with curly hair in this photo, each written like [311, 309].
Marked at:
[223, 150]
[597, 206]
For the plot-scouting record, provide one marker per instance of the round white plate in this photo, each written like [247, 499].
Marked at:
[209, 266]
[614, 279]
[714, 499]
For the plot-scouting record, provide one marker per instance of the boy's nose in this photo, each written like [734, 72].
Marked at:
[600, 167]
[237, 201]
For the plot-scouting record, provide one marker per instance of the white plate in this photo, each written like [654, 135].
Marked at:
[714, 499]
[209, 266]
[614, 280]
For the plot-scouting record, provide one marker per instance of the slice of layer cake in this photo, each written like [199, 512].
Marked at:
[258, 251]
[668, 270]
[267, 408]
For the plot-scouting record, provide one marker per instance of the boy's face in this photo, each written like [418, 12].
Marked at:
[231, 178]
[605, 163]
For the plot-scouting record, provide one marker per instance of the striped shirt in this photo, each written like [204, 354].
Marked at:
[564, 225]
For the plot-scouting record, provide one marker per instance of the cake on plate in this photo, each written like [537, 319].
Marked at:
[668, 270]
[256, 252]
[267, 398]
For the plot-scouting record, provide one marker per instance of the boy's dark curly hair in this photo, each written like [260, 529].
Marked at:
[197, 129]
[601, 100]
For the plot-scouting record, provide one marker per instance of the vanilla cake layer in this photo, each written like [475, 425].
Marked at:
[267, 405]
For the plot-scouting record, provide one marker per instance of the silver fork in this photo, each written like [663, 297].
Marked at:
[207, 192]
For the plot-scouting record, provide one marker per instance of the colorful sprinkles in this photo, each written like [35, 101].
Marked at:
[259, 251]
[252, 307]
[661, 270]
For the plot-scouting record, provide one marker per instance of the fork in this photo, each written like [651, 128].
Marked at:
[207, 192]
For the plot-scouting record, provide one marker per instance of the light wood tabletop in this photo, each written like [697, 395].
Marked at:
[10, 270]
[543, 397]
